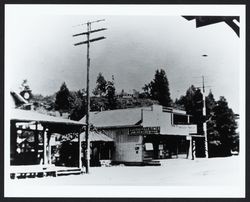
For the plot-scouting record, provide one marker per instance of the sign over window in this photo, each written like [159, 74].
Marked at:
[149, 146]
[144, 131]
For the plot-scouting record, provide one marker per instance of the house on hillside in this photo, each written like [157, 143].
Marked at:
[123, 94]
[143, 134]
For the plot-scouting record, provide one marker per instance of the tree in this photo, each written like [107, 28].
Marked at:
[221, 124]
[62, 102]
[221, 127]
[225, 125]
[213, 135]
[112, 100]
[77, 105]
[158, 89]
[193, 105]
[180, 103]
[146, 91]
[210, 103]
[101, 85]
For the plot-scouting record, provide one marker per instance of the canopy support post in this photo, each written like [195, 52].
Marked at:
[13, 142]
[49, 148]
[80, 150]
[45, 160]
[36, 139]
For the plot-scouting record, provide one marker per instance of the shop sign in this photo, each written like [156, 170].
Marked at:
[144, 131]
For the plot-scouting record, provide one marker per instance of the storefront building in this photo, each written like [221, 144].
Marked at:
[144, 134]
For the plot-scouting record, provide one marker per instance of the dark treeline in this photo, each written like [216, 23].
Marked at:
[221, 121]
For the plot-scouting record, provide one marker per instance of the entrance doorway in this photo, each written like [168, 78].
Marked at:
[165, 147]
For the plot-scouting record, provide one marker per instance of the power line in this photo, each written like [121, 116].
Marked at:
[91, 22]
[92, 31]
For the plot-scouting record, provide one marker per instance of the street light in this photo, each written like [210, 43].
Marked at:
[204, 114]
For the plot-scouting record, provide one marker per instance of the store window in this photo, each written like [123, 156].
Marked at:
[179, 119]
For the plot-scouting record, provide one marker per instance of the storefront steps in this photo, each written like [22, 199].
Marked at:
[69, 171]
[38, 171]
[151, 163]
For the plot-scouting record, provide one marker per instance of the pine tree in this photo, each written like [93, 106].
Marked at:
[112, 100]
[77, 105]
[193, 105]
[221, 124]
[101, 85]
[158, 89]
[62, 102]
[213, 135]
[210, 104]
[225, 125]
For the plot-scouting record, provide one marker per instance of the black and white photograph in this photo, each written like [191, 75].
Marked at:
[124, 101]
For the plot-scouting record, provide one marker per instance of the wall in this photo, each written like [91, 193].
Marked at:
[164, 120]
[128, 148]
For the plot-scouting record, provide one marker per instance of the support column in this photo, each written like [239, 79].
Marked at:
[45, 160]
[177, 148]
[100, 150]
[109, 153]
[172, 118]
[13, 142]
[190, 148]
[80, 150]
[193, 149]
[36, 139]
[49, 148]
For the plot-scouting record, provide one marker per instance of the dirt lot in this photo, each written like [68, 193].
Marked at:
[214, 172]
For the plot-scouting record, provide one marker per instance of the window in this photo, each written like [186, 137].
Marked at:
[180, 119]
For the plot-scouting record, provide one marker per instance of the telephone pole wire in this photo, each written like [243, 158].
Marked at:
[89, 31]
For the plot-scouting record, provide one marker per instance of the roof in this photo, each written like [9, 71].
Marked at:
[54, 123]
[17, 100]
[96, 137]
[208, 20]
[121, 118]
[115, 118]
[26, 115]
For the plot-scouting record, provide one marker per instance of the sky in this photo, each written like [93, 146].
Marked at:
[39, 47]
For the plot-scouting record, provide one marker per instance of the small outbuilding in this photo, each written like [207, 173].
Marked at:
[101, 147]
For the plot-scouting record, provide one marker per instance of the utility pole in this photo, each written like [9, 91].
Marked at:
[204, 114]
[88, 41]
